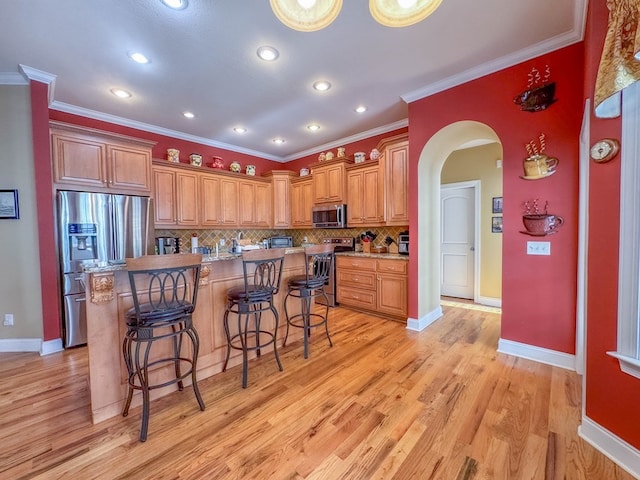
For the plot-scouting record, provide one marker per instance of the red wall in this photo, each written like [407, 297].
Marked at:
[539, 292]
[611, 396]
[164, 142]
[51, 313]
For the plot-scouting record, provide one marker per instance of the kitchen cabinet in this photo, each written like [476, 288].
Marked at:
[395, 164]
[219, 201]
[301, 202]
[365, 195]
[254, 203]
[378, 286]
[100, 161]
[281, 197]
[175, 197]
[329, 181]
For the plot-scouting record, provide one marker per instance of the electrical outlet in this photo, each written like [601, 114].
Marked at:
[538, 248]
[8, 319]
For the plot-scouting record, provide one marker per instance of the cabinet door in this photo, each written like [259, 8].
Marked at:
[246, 206]
[396, 158]
[301, 203]
[129, 168]
[335, 186]
[79, 161]
[187, 198]
[355, 198]
[392, 294]
[320, 185]
[164, 196]
[372, 198]
[229, 202]
[262, 202]
[211, 207]
[281, 202]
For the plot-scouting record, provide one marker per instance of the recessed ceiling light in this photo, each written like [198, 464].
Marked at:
[361, 109]
[188, 114]
[267, 53]
[279, 141]
[175, 4]
[118, 92]
[322, 85]
[240, 130]
[314, 127]
[138, 57]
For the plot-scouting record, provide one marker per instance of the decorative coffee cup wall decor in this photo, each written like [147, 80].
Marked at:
[537, 164]
[539, 94]
[538, 221]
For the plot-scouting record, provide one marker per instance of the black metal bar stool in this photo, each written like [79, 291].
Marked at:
[262, 273]
[164, 290]
[318, 267]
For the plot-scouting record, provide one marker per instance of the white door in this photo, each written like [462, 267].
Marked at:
[457, 242]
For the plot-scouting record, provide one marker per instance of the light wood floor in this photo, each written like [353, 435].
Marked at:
[383, 403]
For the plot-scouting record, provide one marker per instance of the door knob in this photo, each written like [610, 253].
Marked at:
[473, 249]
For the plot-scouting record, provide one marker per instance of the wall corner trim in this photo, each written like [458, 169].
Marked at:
[537, 354]
[41, 76]
[51, 346]
[417, 325]
[610, 445]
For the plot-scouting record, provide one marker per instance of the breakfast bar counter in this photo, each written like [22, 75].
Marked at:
[109, 298]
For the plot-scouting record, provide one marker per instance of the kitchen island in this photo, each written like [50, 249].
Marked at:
[109, 298]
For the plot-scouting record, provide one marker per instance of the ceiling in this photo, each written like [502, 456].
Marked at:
[203, 60]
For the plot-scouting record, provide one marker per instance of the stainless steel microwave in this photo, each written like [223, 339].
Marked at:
[329, 216]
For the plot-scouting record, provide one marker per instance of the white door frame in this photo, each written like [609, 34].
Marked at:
[475, 185]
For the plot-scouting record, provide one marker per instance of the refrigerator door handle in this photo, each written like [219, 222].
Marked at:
[80, 299]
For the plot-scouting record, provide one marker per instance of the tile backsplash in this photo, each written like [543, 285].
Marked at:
[209, 238]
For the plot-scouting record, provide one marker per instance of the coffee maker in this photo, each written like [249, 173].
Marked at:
[167, 245]
[403, 243]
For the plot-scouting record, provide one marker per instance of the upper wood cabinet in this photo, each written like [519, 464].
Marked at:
[301, 202]
[175, 197]
[329, 181]
[365, 198]
[219, 201]
[99, 161]
[395, 163]
[281, 197]
[254, 203]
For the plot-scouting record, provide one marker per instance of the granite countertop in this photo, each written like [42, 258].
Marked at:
[103, 267]
[389, 256]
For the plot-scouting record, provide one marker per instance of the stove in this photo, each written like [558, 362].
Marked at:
[341, 244]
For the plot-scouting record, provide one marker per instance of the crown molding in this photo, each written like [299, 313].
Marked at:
[125, 122]
[353, 138]
[555, 43]
[12, 78]
[36, 75]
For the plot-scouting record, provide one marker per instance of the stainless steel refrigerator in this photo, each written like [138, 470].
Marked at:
[96, 227]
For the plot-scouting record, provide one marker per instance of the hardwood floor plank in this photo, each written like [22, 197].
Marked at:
[383, 403]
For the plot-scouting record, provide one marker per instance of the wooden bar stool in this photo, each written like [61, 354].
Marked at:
[262, 274]
[164, 290]
[318, 267]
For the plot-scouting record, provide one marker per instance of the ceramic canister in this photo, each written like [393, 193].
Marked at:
[195, 159]
[173, 155]
[251, 170]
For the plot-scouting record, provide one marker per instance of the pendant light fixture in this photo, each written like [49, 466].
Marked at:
[306, 15]
[402, 13]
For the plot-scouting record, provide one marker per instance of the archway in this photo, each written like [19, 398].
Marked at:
[432, 158]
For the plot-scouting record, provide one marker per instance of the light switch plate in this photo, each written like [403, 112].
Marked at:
[538, 248]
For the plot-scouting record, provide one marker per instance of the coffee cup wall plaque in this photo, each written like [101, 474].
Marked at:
[539, 94]
[537, 221]
[537, 164]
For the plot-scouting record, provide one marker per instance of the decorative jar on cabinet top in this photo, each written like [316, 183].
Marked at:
[251, 170]
[195, 159]
[235, 167]
[173, 155]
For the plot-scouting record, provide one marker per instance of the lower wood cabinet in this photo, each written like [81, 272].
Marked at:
[372, 284]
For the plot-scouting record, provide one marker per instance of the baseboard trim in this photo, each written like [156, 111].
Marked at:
[624, 455]
[490, 301]
[538, 354]
[51, 346]
[425, 321]
[31, 345]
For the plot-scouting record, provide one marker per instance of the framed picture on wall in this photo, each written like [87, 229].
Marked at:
[9, 204]
[496, 224]
[496, 206]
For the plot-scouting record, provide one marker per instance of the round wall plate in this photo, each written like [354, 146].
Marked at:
[604, 150]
